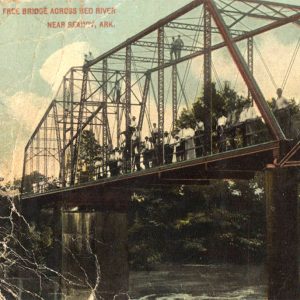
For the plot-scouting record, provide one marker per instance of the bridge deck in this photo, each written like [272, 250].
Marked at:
[243, 162]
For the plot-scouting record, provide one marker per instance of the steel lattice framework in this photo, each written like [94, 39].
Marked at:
[120, 81]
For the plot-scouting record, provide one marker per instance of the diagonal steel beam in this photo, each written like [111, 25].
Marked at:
[86, 123]
[243, 16]
[55, 115]
[283, 5]
[281, 14]
[230, 13]
[144, 101]
[246, 73]
[255, 12]
[195, 27]
[40, 124]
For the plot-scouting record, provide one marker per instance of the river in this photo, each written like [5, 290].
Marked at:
[178, 282]
[201, 282]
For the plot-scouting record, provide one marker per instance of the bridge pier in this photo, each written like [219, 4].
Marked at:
[95, 251]
[282, 239]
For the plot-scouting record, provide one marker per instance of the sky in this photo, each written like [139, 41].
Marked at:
[34, 58]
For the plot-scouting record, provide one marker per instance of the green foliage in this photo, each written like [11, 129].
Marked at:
[38, 237]
[144, 257]
[41, 239]
[224, 221]
[222, 102]
[28, 180]
[88, 151]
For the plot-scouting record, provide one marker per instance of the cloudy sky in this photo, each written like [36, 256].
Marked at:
[34, 58]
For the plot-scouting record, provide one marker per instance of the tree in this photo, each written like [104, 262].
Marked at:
[28, 181]
[89, 150]
[223, 102]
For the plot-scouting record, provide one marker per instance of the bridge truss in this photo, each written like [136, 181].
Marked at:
[139, 76]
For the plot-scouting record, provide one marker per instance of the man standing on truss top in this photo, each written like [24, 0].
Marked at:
[173, 48]
[178, 47]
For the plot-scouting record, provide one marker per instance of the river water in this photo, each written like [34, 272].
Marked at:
[201, 282]
[180, 282]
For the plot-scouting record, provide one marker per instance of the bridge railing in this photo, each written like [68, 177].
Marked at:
[177, 149]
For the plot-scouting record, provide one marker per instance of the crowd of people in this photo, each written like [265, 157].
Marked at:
[236, 129]
[135, 154]
[46, 184]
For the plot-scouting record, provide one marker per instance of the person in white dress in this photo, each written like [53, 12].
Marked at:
[188, 134]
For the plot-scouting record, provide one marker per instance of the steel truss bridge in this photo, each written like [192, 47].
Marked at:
[139, 77]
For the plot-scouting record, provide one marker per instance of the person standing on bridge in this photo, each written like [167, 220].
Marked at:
[188, 134]
[154, 133]
[178, 47]
[35, 188]
[86, 60]
[137, 156]
[167, 148]
[282, 112]
[173, 48]
[90, 56]
[248, 116]
[221, 138]
[99, 167]
[135, 146]
[119, 158]
[178, 148]
[231, 126]
[147, 152]
[199, 138]
[112, 163]
[132, 124]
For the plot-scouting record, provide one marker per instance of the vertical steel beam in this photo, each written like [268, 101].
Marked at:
[160, 92]
[174, 96]
[128, 85]
[38, 146]
[24, 171]
[118, 124]
[117, 99]
[31, 156]
[62, 172]
[250, 60]
[207, 80]
[45, 150]
[128, 105]
[72, 146]
[104, 117]
[252, 85]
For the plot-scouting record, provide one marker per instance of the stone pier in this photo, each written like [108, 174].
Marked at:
[94, 253]
[282, 238]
